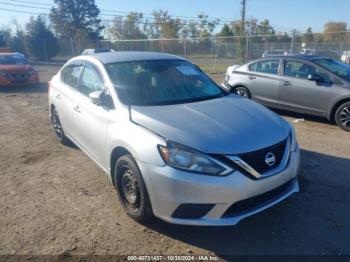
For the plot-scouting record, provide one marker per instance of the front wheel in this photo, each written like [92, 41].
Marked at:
[342, 116]
[131, 189]
[242, 91]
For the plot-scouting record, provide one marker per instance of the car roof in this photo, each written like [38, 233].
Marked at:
[114, 57]
[296, 56]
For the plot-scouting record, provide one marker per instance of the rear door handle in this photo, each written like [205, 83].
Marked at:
[77, 109]
[251, 77]
[58, 96]
[286, 83]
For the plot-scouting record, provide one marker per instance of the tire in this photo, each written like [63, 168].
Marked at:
[242, 91]
[342, 116]
[58, 129]
[131, 189]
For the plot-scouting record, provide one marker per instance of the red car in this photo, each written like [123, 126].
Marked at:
[15, 70]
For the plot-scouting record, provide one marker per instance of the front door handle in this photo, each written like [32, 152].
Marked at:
[58, 96]
[251, 77]
[286, 83]
[77, 109]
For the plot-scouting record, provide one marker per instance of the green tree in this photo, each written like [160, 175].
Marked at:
[4, 37]
[206, 26]
[190, 29]
[128, 28]
[42, 43]
[163, 25]
[19, 40]
[308, 37]
[76, 19]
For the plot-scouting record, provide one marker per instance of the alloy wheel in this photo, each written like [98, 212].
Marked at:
[344, 117]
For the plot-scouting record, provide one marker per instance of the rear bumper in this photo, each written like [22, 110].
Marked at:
[216, 197]
[4, 81]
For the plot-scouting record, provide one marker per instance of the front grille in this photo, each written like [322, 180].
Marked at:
[256, 159]
[259, 201]
[18, 77]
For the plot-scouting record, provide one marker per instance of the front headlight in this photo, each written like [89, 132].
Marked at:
[187, 159]
[293, 139]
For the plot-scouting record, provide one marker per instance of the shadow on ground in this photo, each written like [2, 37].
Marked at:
[314, 221]
[37, 88]
[304, 116]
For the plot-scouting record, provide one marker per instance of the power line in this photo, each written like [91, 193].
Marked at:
[26, 6]
[276, 27]
[24, 12]
[29, 2]
[150, 15]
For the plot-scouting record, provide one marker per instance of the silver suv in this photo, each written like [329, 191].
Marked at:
[174, 144]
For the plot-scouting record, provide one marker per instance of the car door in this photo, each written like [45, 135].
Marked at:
[263, 80]
[65, 94]
[90, 120]
[299, 93]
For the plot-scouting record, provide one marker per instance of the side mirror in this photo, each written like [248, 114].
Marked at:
[316, 78]
[96, 97]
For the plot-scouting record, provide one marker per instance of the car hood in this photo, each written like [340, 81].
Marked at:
[15, 68]
[227, 125]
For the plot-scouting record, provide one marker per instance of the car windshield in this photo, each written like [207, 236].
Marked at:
[13, 60]
[336, 67]
[161, 82]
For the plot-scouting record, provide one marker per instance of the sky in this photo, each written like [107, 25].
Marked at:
[284, 15]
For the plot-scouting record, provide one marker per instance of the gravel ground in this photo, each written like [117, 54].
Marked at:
[54, 200]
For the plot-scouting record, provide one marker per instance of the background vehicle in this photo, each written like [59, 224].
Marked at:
[269, 53]
[151, 120]
[96, 51]
[306, 84]
[345, 57]
[15, 70]
[324, 53]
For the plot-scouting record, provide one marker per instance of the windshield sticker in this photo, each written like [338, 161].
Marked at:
[188, 70]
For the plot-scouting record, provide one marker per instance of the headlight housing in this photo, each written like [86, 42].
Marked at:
[187, 159]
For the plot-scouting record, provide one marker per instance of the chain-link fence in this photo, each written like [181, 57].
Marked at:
[214, 54]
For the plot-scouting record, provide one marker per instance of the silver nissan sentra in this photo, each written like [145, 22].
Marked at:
[174, 144]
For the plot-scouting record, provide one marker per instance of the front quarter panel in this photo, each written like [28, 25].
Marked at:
[139, 141]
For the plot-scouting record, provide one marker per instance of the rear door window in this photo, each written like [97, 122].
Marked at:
[70, 75]
[266, 67]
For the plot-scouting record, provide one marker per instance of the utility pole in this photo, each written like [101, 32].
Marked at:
[243, 12]
[242, 33]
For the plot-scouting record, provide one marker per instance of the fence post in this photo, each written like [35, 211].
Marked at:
[211, 53]
[72, 46]
[45, 50]
[185, 47]
[292, 43]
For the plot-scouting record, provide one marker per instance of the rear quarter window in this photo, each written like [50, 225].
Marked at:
[266, 67]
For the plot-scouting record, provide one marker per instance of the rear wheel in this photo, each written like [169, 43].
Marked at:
[56, 123]
[342, 116]
[242, 91]
[131, 189]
